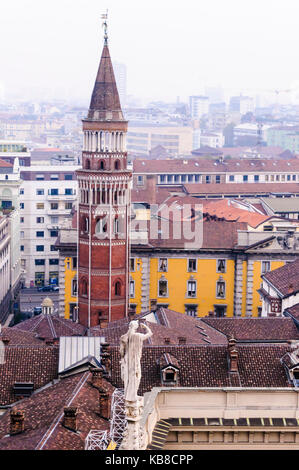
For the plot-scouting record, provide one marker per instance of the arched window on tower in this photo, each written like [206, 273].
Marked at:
[85, 224]
[87, 164]
[117, 165]
[117, 288]
[116, 225]
[102, 165]
[84, 287]
[101, 225]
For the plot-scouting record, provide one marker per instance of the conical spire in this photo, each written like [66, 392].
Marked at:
[105, 103]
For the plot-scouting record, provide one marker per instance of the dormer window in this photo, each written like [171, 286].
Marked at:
[296, 378]
[170, 375]
[23, 389]
[169, 369]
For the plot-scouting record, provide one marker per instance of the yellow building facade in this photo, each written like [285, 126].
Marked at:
[195, 285]
[195, 282]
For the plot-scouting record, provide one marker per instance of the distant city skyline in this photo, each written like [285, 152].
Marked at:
[169, 49]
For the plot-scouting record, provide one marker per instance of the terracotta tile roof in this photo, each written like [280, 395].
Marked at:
[44, 413]
[259, 365]
[255, 329]
[189, 326]
[294, 311]
[217, 235]
[19, 337]
[225, 209]
[197, 165]
[242, 188]
[144, 195]
[51, 326]
[285, 279]
[171, 325]
[4, 164]
[37, 364]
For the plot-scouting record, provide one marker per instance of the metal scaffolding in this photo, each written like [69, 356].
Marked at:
[99, 440]
[118, 421]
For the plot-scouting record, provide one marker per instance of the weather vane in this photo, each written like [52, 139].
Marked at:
[105, 26]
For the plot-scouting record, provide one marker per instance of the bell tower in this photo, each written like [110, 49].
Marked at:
[104, 204]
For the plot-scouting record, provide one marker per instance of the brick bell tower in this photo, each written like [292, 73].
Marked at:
[104, 205]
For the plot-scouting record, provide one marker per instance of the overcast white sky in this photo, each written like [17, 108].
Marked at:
[171, 48]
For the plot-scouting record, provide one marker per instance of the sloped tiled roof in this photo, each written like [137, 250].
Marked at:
[217, 235]
[242, 188]
[20, 337]
[224, 209]
[191, 165]
[44, 414]
[285, 279]
[294, 311]
[51, 326]
[207, 366]
[255, 329]
[169, 324]
[37, 364]
[4, 164]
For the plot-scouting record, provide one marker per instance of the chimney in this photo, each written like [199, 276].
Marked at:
[104, 323]
[291, 289]
[151, 188]
[97, 377]
[232, 355]
[182, 339]
[131, 313]
[106, 359]
[17, 422]
[70, 418]
[166, 340]
[232, 344]
[105, 404]
[153, 305]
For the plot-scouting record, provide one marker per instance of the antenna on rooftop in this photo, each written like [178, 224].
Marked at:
[104, 17]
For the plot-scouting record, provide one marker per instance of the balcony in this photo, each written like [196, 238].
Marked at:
[62, 197]
[53, 212]
[53, 226]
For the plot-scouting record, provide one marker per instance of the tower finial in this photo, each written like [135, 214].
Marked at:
[105, 26]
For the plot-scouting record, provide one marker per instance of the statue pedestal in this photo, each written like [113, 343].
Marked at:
[133, 436]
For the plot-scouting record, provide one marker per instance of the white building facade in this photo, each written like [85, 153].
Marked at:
[48, 195]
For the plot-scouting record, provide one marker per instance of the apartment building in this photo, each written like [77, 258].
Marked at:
[47, 196]
[177, 140]
[205, 171]
[12, 149]
[4, 268]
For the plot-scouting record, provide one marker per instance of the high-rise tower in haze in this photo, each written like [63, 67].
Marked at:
[104, 205]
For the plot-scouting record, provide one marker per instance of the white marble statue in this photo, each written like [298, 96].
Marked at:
[130, 352]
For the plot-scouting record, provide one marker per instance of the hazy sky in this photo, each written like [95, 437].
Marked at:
[171, 48]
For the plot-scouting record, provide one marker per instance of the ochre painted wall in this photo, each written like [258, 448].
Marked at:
[70, 273]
